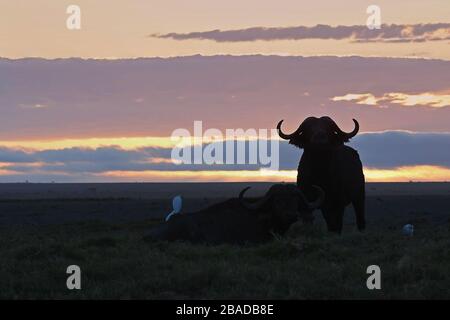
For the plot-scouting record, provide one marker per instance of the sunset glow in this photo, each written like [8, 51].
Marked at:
[403, 174]
[126, 143]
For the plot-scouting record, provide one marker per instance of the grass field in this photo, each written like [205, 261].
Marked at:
[307, 263]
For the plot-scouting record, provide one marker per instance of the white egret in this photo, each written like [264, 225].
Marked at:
[177, 204]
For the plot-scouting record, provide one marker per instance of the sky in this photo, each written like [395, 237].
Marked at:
[100, 103]
[123, 29]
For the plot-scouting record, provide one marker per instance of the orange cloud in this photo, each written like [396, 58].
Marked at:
[359, 98]
[434, 100]
[427, 99]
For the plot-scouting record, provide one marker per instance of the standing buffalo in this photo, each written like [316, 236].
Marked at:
[238, 221]
[331, 165]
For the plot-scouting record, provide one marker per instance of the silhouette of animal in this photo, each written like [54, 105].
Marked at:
[331, 165]
[238, 221]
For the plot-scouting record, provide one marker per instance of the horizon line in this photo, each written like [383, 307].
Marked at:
[349, 56]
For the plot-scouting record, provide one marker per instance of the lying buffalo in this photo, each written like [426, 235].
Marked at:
[238, 221]
[331, 165]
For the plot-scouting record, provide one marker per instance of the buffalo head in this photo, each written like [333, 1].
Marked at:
[280, 206]
[318, 132]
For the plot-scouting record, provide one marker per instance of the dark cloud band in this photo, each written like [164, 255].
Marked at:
[393, 33]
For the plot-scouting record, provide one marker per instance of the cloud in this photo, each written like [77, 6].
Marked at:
[426, 99]
[95, 99]
[392, 33]
[429, 99]
[359, 98]
[396, 148]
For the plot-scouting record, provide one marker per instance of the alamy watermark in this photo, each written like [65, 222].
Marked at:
[234, 147]
[374, 280]
[374, 20]
[73, 22]
[74, 280]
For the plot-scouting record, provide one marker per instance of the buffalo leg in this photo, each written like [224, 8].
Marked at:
[334, 219]
[359, 207]
[305, 215]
